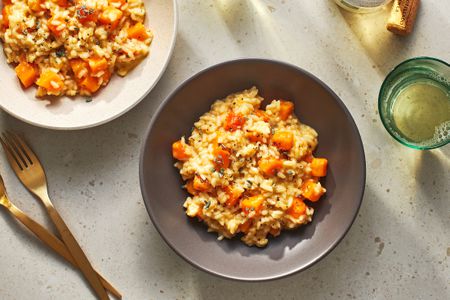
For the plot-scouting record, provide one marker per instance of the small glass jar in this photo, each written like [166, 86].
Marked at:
[362, 6]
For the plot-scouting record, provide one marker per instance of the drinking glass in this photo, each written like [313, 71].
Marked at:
[426, 70]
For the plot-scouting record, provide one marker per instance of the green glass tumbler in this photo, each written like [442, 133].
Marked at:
[414, 103]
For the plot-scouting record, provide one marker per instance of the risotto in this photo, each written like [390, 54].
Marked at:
[70, 47]
[250, 171]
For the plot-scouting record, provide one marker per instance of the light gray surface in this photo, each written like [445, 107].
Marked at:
[399, 246]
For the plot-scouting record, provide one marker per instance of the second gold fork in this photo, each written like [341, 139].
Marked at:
[44, 235]
[31, 173]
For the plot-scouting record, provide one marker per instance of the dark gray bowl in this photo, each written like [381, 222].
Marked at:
[293, 251]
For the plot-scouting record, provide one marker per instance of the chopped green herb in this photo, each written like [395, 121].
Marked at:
[89, 99]
[221, 171]
[83, 12]
[60, 52]
[213, 170]
[207, 204]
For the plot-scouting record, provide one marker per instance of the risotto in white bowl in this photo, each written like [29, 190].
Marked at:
[70, 47]
[64, 62]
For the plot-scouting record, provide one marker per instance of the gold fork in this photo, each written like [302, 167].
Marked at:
[45, 236]
[32, 175]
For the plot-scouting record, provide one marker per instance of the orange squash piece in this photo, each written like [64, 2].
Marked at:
[79, 68]
[244, 227]
[190, 187]
[90, 84]
[319, 167]
[138, 32]
[254, 137]
[274, 231]
[270, 166]
[35, 5]
[297, 209]
[106, 77]
[221, 158]
[62, 3]
[252, 204]
[200, 214]
[50, 81]
[286, 109]
[262, 114]
[179, 151]
[200, 184]
[234, 122]
[110, 16]
[6, 12]
[312, 190]
[97, 64]
[27, 73]
[283, 140]
[86, 14]
[308, 158]
[233, 196]
[56, 25]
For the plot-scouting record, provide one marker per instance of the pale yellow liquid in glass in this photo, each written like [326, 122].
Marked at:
[422, 112]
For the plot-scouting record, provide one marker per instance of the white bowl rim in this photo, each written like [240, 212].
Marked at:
[117, 115]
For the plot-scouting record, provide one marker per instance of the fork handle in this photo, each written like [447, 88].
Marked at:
[54, 243]
[74, 248]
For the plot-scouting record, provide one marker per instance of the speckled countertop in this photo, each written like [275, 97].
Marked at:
[398, 247]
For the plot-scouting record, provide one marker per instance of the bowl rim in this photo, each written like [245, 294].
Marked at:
[147, 197]
[117, 115]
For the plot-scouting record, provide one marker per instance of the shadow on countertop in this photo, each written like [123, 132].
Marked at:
[365, 265]
[384, 48]
[433, 177]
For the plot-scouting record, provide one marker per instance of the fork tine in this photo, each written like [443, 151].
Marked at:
[15, 148]
[11, 156]
[29, 154]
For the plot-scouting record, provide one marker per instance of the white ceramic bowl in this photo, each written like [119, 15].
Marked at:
[119, 96]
